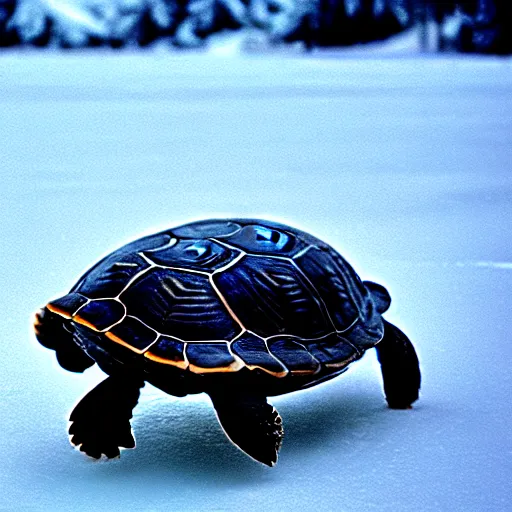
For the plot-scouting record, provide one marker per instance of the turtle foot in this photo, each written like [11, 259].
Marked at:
[252, 425]
[101, 420]
[400, 368]
[101, 437]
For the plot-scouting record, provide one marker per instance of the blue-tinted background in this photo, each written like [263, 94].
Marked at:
[401, 162]
[470, 26]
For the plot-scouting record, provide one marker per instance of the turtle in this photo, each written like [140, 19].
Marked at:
[239, 309]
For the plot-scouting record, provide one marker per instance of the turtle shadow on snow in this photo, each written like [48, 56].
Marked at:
[187, 442]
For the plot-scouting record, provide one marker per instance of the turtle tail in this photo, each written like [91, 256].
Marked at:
[55, 333]
[380, 296]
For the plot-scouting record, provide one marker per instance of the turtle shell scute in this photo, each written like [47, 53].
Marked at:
[271, 297]
[111, 276]
[206, 229]
[260, 239]
[202, 255]
[181, 304]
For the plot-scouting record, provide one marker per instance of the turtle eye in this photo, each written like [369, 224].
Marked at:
[270, 237]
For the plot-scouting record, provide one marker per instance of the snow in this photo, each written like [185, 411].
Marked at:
[402, 164]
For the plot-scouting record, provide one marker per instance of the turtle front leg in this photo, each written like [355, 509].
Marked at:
[101, 420]
[251, 424]
[400, 368]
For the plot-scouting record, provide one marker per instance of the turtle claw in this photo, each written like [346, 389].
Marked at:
[251, 424]
[103, 438]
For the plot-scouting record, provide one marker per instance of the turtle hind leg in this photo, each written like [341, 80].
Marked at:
[251, 424]
[101, 420]
[400, 368]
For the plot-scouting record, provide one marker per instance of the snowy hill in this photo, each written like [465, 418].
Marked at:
[402, 165]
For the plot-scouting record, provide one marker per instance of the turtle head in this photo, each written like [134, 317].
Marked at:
[380, 296]
[56, 332]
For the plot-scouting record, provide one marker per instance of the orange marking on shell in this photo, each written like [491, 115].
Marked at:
[303, 372]
[120, 341]
[79, 320]
[338, 365]
[233, 367]
[279, 375]
[179, 364]
[58, 311]
[342, 364]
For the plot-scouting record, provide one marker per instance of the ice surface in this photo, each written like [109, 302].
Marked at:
[403, 165]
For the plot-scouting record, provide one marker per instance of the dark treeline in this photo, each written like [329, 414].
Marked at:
[481, 26]
[485, 26]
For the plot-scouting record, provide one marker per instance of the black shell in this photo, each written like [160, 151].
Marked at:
[221, 295]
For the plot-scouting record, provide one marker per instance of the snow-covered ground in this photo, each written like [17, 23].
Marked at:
[403, 165]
